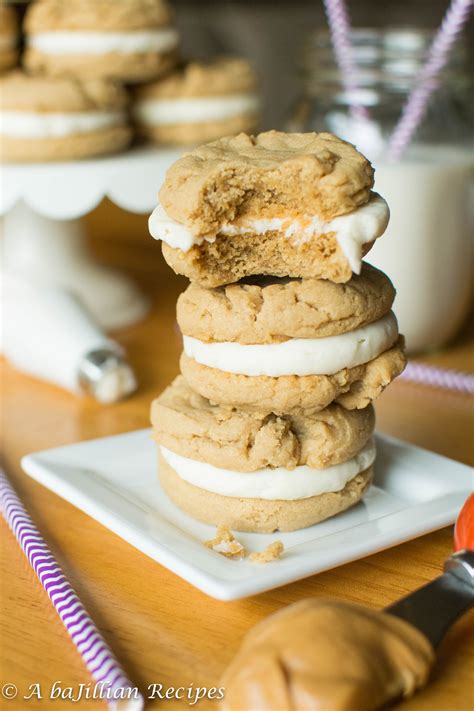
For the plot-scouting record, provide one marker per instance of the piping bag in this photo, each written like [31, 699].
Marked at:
[47, 333]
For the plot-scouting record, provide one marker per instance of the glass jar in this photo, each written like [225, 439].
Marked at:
[428, 245]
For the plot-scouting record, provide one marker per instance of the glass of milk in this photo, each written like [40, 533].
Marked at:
[427, 249]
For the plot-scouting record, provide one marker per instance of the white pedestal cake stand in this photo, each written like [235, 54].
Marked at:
[44, 236]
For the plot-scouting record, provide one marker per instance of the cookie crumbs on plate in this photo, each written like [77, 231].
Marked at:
[272, 552]
[226, 544]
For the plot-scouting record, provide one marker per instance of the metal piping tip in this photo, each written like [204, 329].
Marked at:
[105, 375]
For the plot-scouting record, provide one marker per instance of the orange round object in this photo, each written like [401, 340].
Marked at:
[464, 528]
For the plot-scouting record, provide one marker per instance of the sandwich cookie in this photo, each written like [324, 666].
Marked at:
[8, 37]
[129, 40]
[198, 103]
[279, 204]
[291, 343]
[255, 471]
[50, 119]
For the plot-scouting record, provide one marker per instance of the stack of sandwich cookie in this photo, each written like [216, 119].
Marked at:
[198, 103]
[129, 40]
[9, 35]
[288, 336]
[46, 118]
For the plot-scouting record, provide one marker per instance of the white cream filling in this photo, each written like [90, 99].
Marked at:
[8, 42]
[352, 231]
[273, 484]
[162, 112]
[26, 124]
[97, 42]
[298, 356]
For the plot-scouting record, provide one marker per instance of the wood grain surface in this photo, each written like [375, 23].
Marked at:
[162, 629]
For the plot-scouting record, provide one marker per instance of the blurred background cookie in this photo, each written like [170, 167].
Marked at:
[9, 33]
[130, 40]
[48, 119]
[199, 102]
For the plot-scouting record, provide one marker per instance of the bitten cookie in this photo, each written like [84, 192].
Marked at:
[246, 440]
[129, 40]
[49, 119]
[8, 37]
[278, 204]
[198, 103]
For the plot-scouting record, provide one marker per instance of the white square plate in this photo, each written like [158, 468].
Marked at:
[114, 480]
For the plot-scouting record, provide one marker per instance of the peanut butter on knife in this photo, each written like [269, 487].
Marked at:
[329, 656]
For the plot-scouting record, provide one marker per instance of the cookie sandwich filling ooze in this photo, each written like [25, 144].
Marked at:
[352, 230]
[270, 483]
[298, 356]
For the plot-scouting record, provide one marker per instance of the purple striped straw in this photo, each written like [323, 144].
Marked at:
[339, 27]
[417, 103]
[439, 377]
[111, 683]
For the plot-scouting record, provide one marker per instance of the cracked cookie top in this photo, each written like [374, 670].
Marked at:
[245, 440]
[269, 310]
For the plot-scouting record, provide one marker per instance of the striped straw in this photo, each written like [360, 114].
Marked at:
[339, 27]
[111, 683]
[417, 103]
[439, 377]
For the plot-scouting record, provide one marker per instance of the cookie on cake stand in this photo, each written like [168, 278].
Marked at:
[130, 40]
[199, 102]
[47, 120]
[50, 118]
[55, 122]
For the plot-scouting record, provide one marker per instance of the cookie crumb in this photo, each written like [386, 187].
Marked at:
[226, 544]
[272, 552]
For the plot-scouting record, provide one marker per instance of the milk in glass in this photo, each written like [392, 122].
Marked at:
[427, 248]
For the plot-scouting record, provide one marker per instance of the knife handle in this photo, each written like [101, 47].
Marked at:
[437, 605]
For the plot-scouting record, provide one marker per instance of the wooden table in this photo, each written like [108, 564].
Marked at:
[162, 629]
